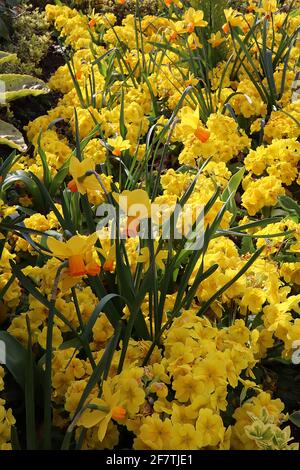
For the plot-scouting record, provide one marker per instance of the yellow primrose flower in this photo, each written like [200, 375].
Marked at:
[76, 251]
[211, 371]
[119, 145]
[210, 428]
[132, 394]
[102, 411]
[188, 387]
[185, 437]
[80, 182]
[155, 433]
[57, 339]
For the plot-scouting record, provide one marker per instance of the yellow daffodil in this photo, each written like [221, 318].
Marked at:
[191, 123]
[119, 145]
[81, 182]
[92, 22]
[109, 253]
[176, 29]
[193, 42]
[77, 250]
[194, 18]
[136, 206]
[168, 3]
[102, 410]
[233, 18]
[216, 39]
[269, 6]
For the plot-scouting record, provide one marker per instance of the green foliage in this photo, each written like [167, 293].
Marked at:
[213, 12]
[18, 86]
[13, 87]
[29, 39]
[9, 135]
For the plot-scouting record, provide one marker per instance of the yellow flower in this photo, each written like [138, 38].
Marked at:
[160, 257]
[216, 39]
[109, 253]
[102, 411]
[185, 437]
[128, 199]
[57, 338]
[188, 387]
[136, 206]
[133, 396]
[76, 250]
[183, 414]
[210, 428]
[269, 6]
[81, 182]
[193, 19]
[118, 145]
[191, 123]
[234, 19]
[253, 299]
[193, 42]
[155, 433]
[211, 371]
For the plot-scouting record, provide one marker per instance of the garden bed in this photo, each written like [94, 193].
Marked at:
[150, 226]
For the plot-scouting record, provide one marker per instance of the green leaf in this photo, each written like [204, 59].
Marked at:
[4, 33]
[32, 188]
[15, 443]
[295, 13]
[243, 395]
[8, 164]
[100, 372]
[59, 178]
[16, 357]
[233, 185]
[221, 291]
[100, 307]
[15, 86]
[28, 285]
[29, 394]
[255, 78]
[7, 57]
[47, 200]
[11, 136]
[289, 205]
[123, 129]
[46, 171]
[6, 287]
[295, 418]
